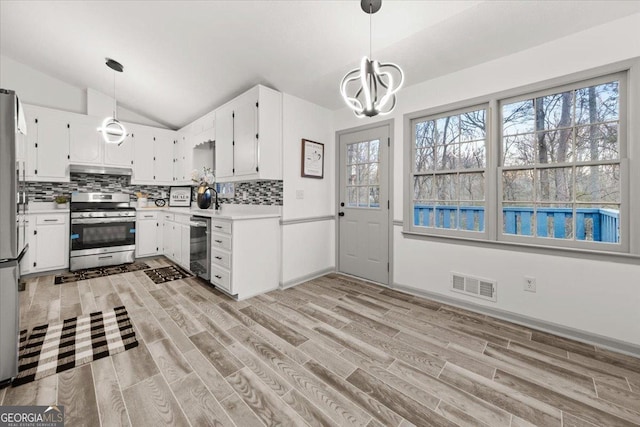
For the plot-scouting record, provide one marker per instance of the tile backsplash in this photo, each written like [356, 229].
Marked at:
[257, 192]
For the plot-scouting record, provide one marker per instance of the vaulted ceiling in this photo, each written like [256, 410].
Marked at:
[184, 58]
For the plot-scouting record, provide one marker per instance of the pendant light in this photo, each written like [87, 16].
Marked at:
[113, 132]
[370, 89]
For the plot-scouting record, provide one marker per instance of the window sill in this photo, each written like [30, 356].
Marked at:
[623, 258]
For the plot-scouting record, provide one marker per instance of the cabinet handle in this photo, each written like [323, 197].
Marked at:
[148, 216]
[105, 257]
[218, 257]
[217, 276]
[50, 220]
[218, 241]
[217, 226]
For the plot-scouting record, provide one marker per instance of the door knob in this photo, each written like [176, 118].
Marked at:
[340, 213]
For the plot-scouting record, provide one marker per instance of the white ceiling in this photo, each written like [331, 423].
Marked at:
[184, 58]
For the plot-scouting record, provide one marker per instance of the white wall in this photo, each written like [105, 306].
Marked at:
[36, 88]
[595, 297]
[309, 247]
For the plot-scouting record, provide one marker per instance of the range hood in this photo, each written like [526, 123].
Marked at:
[98, 169]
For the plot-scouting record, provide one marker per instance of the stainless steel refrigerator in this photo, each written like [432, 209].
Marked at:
[13, 246]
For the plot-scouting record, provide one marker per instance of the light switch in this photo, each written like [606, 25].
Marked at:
[300, 194]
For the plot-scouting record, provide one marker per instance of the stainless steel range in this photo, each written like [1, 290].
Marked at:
[103, 228]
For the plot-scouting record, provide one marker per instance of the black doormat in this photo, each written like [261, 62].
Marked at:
[57, 347]
[90, 273]
[166, 274]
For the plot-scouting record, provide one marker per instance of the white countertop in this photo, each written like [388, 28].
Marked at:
[231, 212]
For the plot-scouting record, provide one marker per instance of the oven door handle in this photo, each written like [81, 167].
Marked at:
[102, 220]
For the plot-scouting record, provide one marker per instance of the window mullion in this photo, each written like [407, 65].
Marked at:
[493, 203]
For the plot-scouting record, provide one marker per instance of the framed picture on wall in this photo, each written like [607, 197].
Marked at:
[312, 159]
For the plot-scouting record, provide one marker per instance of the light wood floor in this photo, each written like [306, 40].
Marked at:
[332, 351]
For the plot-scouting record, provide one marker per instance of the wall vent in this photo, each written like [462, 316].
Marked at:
[474, 286]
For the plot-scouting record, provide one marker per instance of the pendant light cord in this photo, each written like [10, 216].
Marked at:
[114, 96]
[370, 19]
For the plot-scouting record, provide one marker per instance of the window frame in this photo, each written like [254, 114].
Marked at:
[628, 75]
[449, 231]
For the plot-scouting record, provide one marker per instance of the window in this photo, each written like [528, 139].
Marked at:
[547, 169]
[363, 176]
[561, 163]
[449, 161]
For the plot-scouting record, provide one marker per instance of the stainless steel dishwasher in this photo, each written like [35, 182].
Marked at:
[200, 246]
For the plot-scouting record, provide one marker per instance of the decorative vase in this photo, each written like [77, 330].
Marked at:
[62, 205]
[204, 196]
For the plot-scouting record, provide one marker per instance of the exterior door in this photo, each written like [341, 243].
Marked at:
[363, 224]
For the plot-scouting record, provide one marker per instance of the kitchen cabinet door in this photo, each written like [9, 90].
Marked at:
[119, 155]
[224, 142]
[146, 237]
[245, 154]
[163, 153]
[176, 242]
[143, 157]
[48, 147]
[167, 236]
[185, 250]
[52, 247]
[85, 142]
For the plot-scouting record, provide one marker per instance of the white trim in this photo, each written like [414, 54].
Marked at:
[628, 73]
[530, 322]
[310, 276]
[309, 219]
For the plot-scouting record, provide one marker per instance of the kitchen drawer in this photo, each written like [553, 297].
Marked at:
[221, 258]
[221, 241]
[221, 226]
[52, 219]
[221, 277]
[147, 215]
[167, 216]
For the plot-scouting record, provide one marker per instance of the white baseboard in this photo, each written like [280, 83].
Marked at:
[306, 277]
[530, 322]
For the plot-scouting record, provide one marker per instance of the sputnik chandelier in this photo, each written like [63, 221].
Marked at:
[113, 132]
[370, 90]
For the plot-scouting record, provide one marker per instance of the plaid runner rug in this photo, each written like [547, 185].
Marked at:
[55, 348]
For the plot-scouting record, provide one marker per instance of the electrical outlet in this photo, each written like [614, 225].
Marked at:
[299, 194]
[529, 284]
[244, 195]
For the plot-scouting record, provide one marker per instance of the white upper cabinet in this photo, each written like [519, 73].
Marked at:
[245, 134]
[248, 132]
[88, 148]
[47, 145]
[224, 142]
[120, 155]
[164, 141]
[153, 156]
[85, 142]
[143, 163]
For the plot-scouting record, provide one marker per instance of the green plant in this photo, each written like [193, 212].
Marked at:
[61, 199]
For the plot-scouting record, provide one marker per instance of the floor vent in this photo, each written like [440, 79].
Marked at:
[474, 286]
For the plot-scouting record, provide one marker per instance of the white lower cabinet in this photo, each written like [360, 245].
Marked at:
[148, 237]
[244, 256]
[176, 238]
[48, 243]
